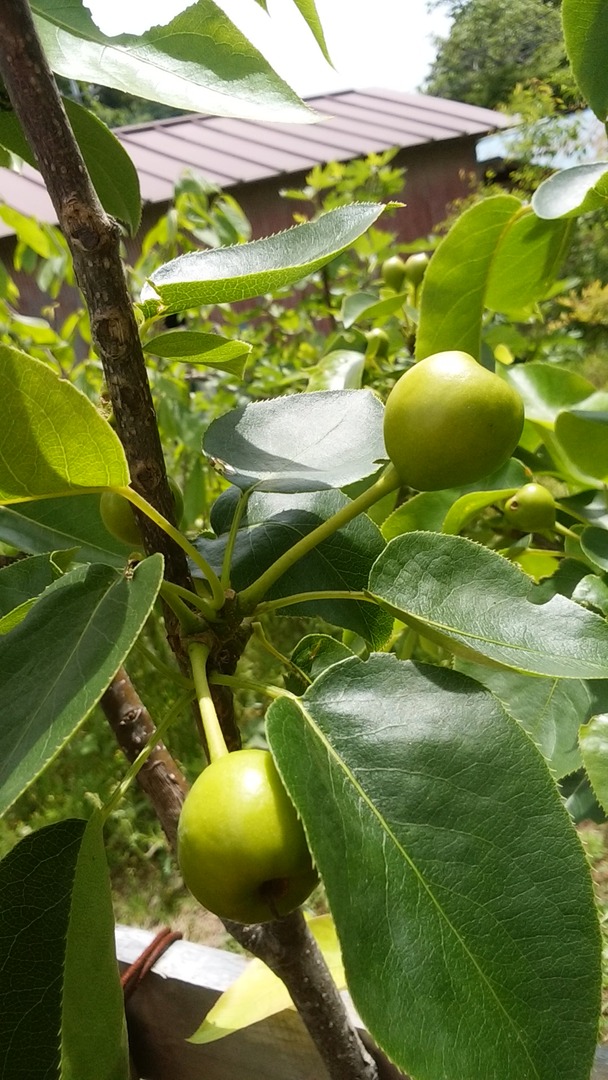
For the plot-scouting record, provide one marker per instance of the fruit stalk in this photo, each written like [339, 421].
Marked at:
[388, 481]
[216, 743]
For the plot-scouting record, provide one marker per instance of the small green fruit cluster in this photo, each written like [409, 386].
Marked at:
[242, 850]
[396, 271]
[531, 509]
[449, 422]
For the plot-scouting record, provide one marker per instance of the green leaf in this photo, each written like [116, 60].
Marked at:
[258, 993]
[305, 442]
[309, 12]
[31, 232]
[547, 389]
[58, 524]
[199, 62]
[478, 605]
[458, 886]
[53, 438]
[112, 172]
[585, 24]
[584, 437]
[195, 347]
[594, 542]
[341, 369]
[273, 523]
[450, 509]
[550, 710]
[61, 1006]
[24, 581]
[454, 287]
[594, 749]
[528, 257]
[56, 664]
[361, 306]
[313, 655]
[572, 192]
[223, 275]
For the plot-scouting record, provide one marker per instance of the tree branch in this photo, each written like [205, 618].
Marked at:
[94, 242]
[93, 239]
[160, 778]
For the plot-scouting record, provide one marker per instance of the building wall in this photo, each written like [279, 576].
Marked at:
[436, 175]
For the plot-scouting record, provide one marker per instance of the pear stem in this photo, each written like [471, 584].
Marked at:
[388, 481]
[216, 743]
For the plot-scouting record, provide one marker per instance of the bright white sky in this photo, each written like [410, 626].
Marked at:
[384, 44]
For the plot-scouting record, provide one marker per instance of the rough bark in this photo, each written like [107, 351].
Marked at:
[93, 239]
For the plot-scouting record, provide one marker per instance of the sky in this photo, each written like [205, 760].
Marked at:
[386, 44]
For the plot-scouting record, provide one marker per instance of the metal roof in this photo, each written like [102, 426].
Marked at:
[230, 151]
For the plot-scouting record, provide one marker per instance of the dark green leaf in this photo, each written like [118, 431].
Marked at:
[585, 25]
[195, 347]
[314, 654]
[454, 286]
[550, 710]
[53, 438]
[305, 442]
[25, 579]
[61, 1008]
[112, 172]
[594, 542]
[459, 889]
[57, 663]
[274, 523]
[54, 524]
[199, 62]
[223, 275]
[479, 606]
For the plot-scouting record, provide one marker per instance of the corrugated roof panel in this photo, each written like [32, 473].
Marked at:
[169, 168]
[230, 151]
[337, 145]
[394, 130]
[200, 154]
[251, 151]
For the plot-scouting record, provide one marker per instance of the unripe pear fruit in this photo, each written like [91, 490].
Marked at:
[531, 509]
[449, 422]
[241, 846]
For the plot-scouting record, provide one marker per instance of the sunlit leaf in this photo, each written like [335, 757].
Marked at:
[196, 347]
[223, 275]
[305, 442]
[454, 285]
[198, 62]
[594, 748]
[572, 191]
[258, 993]
[53, 438]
